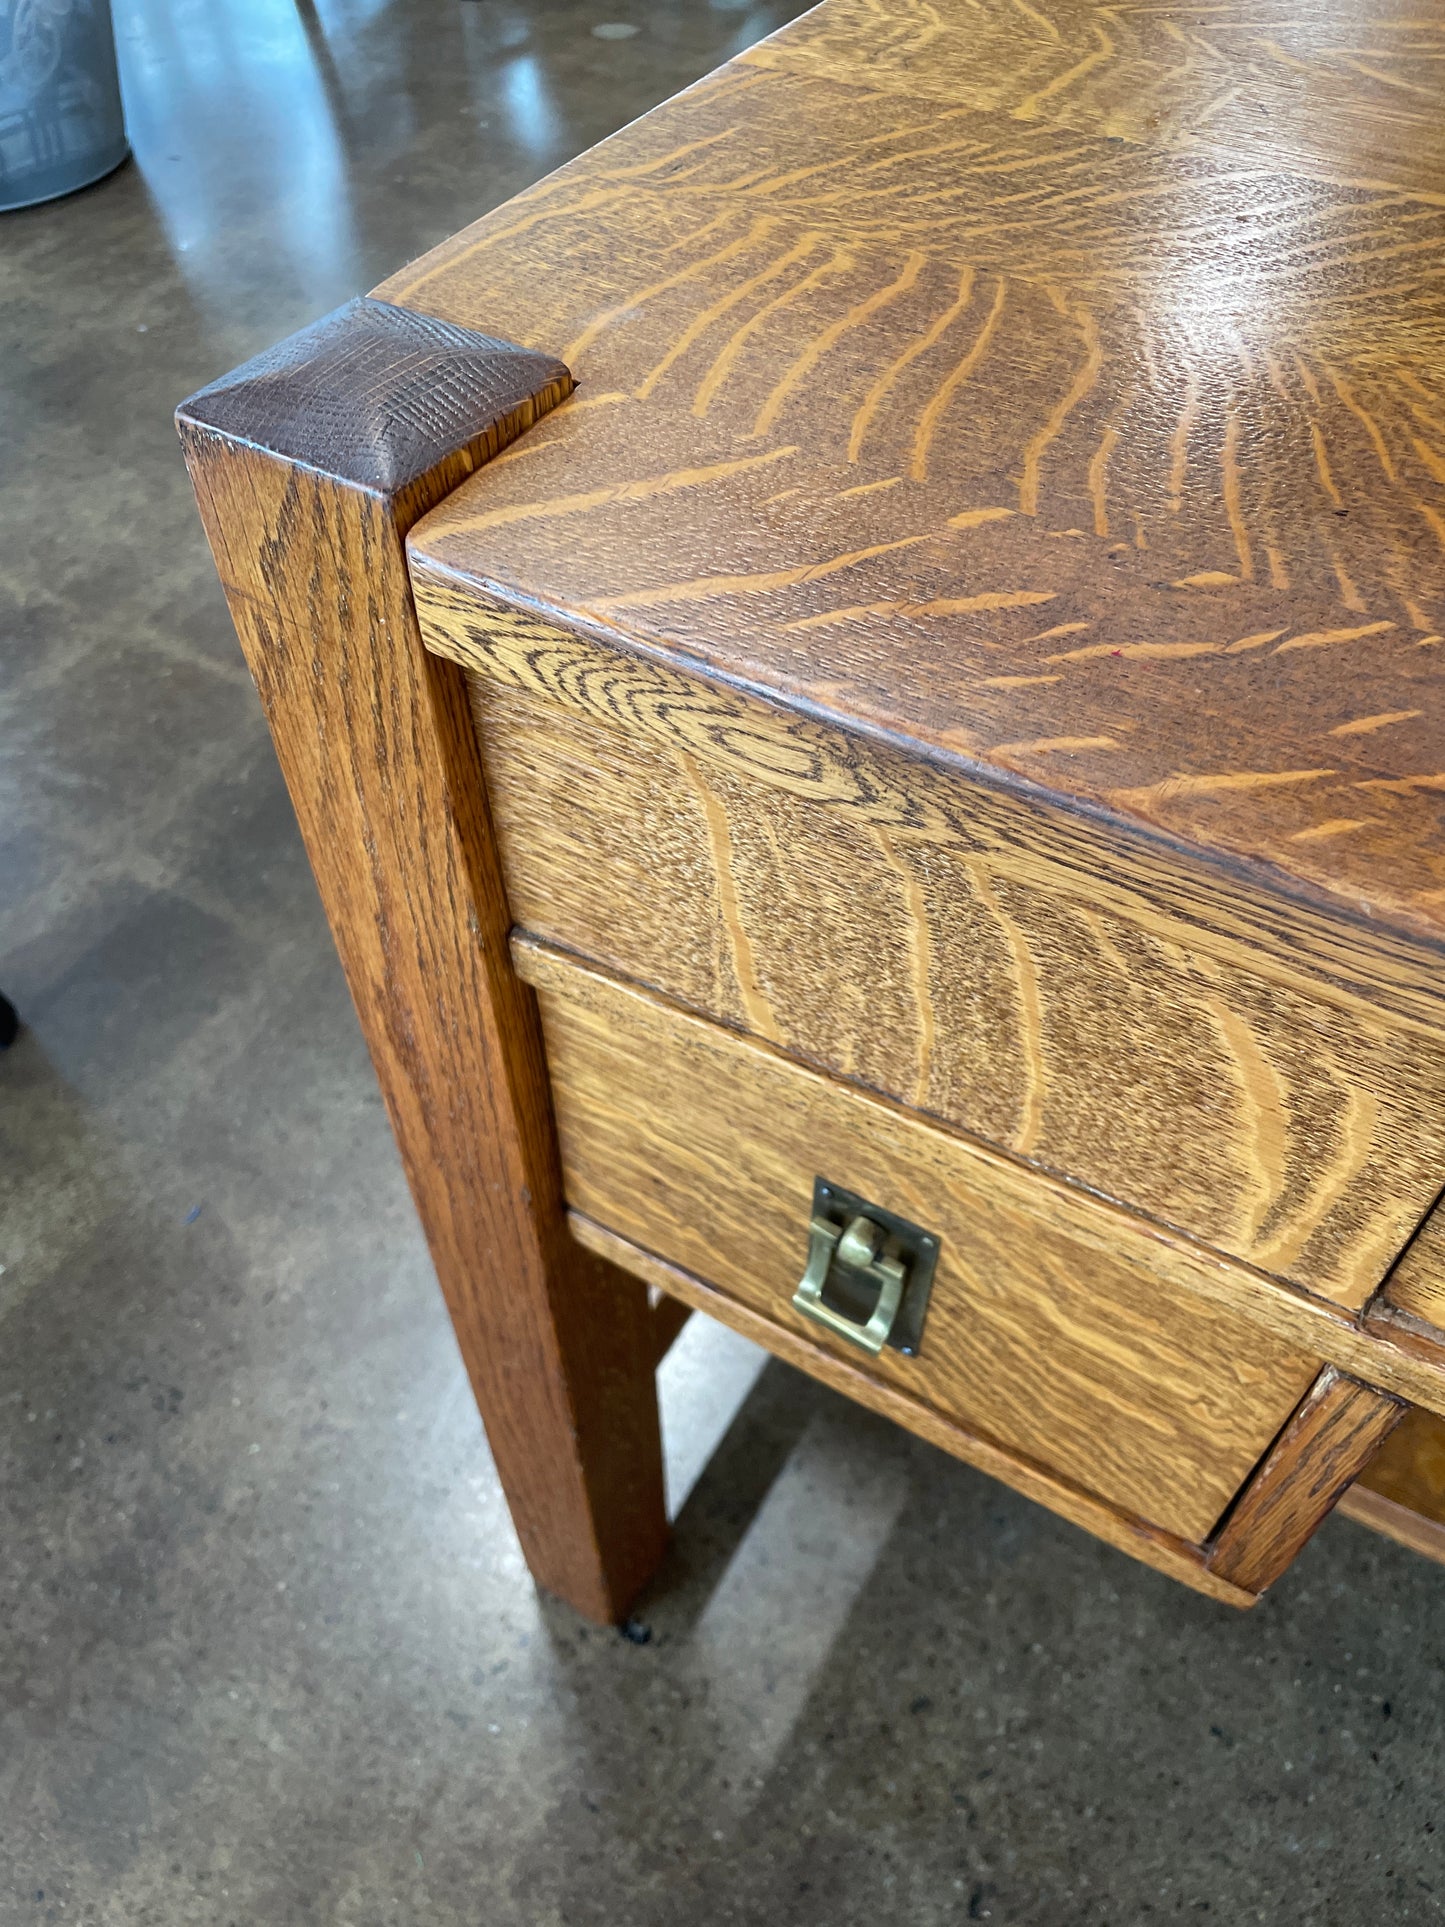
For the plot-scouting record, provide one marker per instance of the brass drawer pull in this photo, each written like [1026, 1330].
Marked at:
[876, 1267]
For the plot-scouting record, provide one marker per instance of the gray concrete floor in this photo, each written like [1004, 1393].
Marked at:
[267, 1650]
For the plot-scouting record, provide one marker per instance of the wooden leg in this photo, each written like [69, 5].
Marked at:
[310, 464]
[1336, 1429]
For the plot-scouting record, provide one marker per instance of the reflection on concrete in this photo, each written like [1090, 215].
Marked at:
[524, 91]
[701, 1384]
[773, 1629]
[224, 106]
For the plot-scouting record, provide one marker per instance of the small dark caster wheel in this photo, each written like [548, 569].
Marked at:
[9, 1023]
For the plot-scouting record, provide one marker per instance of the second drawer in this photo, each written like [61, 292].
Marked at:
[1057, 1326]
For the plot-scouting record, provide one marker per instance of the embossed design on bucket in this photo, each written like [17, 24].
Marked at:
[61, 124]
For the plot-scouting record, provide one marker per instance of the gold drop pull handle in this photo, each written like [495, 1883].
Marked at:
[868, 1273]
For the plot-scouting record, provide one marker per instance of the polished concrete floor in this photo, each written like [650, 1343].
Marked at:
[267, 1651]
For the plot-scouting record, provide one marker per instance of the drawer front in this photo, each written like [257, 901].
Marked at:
[956, 949]
[1054, 1327]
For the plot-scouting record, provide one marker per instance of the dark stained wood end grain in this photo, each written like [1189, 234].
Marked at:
[379, 396]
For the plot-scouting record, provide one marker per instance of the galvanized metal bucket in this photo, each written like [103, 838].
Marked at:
[61, 125]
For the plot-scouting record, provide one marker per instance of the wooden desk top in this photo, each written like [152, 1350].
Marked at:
[1057, 387]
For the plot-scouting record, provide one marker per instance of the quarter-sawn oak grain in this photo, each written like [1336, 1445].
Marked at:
[309, 466]
[1247, 1076]
[1056, 388]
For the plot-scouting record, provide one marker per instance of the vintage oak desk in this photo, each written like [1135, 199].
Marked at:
[949, 707]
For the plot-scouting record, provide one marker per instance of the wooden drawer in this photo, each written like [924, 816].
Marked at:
[1227, 1066]
[1058, 1328]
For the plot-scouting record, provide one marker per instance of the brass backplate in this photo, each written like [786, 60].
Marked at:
[916, 1248]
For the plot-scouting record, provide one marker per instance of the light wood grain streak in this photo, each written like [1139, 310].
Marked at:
[1083, 381]
[727, 356]
[625, 310]
[1263, 1096]
[724, 304]
[1030, 1029]
[1354, 1147]
[922, 963]
[937, 405]
[869, 408]
[755, 1003]
[814, 353]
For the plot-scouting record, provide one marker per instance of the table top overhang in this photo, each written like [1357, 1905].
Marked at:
[1058, 388]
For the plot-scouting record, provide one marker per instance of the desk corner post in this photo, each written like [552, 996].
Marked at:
[310, 464]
